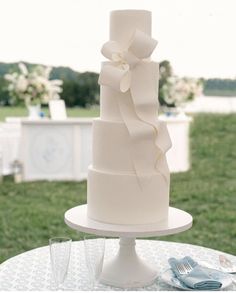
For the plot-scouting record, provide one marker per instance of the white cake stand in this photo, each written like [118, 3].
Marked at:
[127, 269]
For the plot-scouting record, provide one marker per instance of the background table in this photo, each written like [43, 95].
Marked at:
[32, 271]
[56, 149]
[39, 143]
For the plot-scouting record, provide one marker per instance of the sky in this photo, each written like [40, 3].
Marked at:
[196, 36]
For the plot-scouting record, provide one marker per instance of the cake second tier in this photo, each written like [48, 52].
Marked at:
[113, 151]
[148, 76]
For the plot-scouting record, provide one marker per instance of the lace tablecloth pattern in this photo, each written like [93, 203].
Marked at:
[31, 271]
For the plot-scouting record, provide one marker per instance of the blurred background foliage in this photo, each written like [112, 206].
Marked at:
[82, 89]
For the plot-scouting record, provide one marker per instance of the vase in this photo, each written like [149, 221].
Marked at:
[170, 111]
[34, 111]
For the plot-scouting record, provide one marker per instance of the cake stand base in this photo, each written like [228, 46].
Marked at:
[127, 269]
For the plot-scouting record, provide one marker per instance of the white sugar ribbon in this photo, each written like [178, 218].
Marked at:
[118, 74]
[130, 70]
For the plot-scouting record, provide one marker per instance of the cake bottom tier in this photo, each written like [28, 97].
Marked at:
[119, 198]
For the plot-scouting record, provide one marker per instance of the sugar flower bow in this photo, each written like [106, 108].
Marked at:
[131, 73]
[118, 73]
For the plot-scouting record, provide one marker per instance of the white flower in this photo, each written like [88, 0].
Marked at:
[21, 84]
[34, 85]
[23, 68]
[56, 89]
[56, 82]
[9, 77]
[179, 90]
[45, 99]
[47, 72]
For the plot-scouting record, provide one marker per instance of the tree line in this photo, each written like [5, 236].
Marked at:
[82, 89]
[79, 89]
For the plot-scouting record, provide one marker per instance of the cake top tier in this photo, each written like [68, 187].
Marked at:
[123, 24]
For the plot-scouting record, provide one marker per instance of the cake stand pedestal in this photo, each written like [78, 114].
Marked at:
[127, 269]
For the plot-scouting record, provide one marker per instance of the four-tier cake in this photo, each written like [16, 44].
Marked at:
[128, 181]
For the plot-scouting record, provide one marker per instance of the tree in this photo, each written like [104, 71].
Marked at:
[83, 92]
[4, 94]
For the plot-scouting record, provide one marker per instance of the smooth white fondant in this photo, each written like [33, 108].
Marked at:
[124, 22]
[109, 107]
[140, 47]
[139, 76]
[128, 182]
[109, 96]
[112, 148]
[117, 198]
[119, 78]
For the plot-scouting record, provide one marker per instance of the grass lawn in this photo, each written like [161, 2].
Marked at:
[71, 112]
[30, 213]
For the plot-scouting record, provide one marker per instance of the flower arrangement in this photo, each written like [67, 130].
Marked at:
[33, 87]
[176, 91]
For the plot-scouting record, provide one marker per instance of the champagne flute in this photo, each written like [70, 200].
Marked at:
[94, 256]
[60, 248]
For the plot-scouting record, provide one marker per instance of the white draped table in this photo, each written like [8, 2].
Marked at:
[61, 149]
[31, 270]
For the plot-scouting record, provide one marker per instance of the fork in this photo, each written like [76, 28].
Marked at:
[184, 268]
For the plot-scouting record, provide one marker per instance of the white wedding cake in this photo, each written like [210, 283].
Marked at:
[128, 182]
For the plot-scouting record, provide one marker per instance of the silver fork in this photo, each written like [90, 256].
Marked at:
[184, 268]
[188, 266]
[181, 269]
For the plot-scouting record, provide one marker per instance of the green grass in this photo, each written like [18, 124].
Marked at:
[71, 112]
[208, 191]
[30, 213]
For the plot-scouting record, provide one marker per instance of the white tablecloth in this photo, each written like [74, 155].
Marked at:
[43, 141]
[9, 145]
[32, 271]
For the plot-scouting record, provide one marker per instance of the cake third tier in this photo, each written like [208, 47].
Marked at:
[128, 181]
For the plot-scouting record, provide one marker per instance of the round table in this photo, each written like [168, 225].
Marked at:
[32, 271]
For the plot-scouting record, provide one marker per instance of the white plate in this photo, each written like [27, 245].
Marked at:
[169, 277]
[220, 268]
